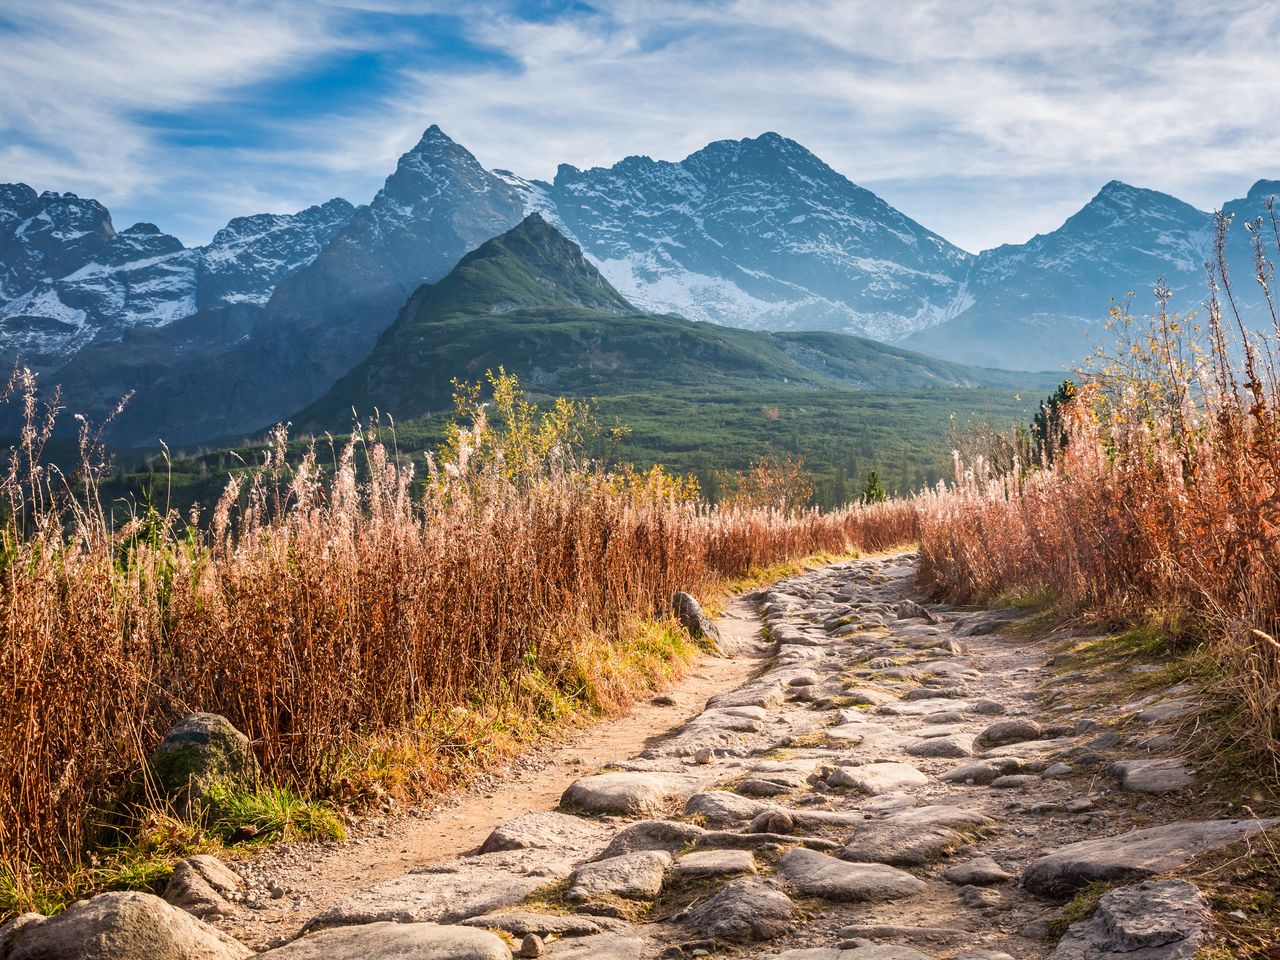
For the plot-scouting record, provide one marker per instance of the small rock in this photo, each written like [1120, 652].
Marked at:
[1010, 731]
[1055, 770]
[1152, 776]
[980, 897]
[704, 755]
[531, 946]
[742, 911]
[203, 886]
[632, 876]
[816, 874]
[978, 872]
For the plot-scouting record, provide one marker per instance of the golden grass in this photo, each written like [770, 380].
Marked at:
[375, 633]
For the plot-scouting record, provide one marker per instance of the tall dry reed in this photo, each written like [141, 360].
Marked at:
[1165, 502]
[321, 611]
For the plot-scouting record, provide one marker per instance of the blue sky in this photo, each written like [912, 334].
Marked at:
[987, 122]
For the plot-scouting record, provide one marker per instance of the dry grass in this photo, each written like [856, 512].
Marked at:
[1164, 505]
[371, 631]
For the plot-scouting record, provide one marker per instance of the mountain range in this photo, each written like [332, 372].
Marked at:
[221, 340]
[531, 302]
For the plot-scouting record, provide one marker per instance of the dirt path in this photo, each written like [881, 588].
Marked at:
[314, 878]
[899, 780]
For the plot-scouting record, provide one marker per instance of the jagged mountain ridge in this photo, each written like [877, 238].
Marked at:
[779, 236]
[759, 233]
[230, 371]
[1036, 305]
[68, 278]
[530, 302]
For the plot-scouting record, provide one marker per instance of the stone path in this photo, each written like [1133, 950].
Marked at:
[901, 781]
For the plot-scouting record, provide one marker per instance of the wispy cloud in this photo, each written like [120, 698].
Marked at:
[985, 122]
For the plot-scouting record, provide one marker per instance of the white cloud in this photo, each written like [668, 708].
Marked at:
[986, 122]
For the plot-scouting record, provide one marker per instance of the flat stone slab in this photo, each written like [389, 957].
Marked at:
[742, 911]
[395, 941]
[816, 874]
[548, 831]
[521, 923]
[715, 863]
[877, 778]
[629, 792]
[603, 946]
[901, 843]
[633, 876]
[1166, 920]
[1163, 775]
[1168, 710]
[954, 746]
[450, 891]
[1135, 855]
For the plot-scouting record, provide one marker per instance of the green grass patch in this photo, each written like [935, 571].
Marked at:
[272, 813]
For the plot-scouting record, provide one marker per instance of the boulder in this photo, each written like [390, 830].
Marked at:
[742, 911]
[1010, 731]
[818, 875]
[691, 616]
[1135, 855]
[202, 753]
[395, 941]
[1166, 920]
[982, 772]
[118, 926]
[201, 885]
[719, 808]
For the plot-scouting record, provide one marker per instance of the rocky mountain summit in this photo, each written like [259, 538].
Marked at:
[68, 278]
[762, 234]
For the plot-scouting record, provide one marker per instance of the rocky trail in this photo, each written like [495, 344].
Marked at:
[894, 780]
